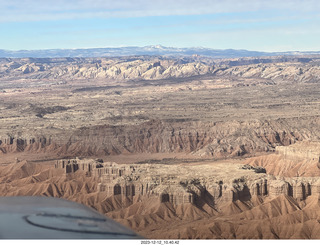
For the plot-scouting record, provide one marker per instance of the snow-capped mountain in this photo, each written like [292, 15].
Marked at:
[147, 50]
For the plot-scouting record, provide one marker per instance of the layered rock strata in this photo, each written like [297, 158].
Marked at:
[148, 68]
[204, 139]
[213, 184]
[306, 150]
[153, 67]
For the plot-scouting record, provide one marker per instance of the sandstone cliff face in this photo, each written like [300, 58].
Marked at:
[263, 207]
[216, 139]
[115, 69]
[278, 72]
[300, 151]
[154, 68]
[214, 189]
[297, 160]
[65, 128]
[231, 200]
[218, 199]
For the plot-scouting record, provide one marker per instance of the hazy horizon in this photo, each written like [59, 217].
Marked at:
[267, 26]
[155, 46]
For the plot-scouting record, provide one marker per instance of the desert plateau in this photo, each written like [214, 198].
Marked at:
[173, 147]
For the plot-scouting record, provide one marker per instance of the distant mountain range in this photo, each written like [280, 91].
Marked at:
[147, 50]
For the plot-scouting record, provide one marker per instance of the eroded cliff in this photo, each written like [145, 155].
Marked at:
[215, 139]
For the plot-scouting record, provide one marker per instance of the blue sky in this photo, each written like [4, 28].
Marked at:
[262, 25]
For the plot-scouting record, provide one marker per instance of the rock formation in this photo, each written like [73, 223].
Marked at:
[211, 199]
[106, 106]
[157, 67]
[297, 160]
[203, 139]
[305, 150]
[184, 187]
[110, 68]
[201, 109]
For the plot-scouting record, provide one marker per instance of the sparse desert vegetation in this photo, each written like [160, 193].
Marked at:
[172, 147]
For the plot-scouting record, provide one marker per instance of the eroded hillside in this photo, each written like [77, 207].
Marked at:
[153, 115]
[118, 105]
[208, 200]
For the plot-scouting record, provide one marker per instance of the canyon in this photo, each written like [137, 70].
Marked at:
[171, 147]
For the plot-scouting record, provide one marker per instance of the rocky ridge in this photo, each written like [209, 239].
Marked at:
[276, 72]
[217, 140]
[212, 199]
[293, 69]
[211, 183]
[306, 150]
[101, 68]
[205, 110]
[297, 160]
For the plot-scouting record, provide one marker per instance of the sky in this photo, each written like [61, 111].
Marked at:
[260, 25]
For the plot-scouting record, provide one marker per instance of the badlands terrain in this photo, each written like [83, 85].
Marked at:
[172, 147]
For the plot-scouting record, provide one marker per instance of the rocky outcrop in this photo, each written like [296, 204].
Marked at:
[263, 207]
[161, 181]
[305, 150]
[277, 72]
[135, 68]
[16, 144]
[156, 67]
[203, 139]
[297, 160]
[75, 126]
[122, 180]
[298, 188]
